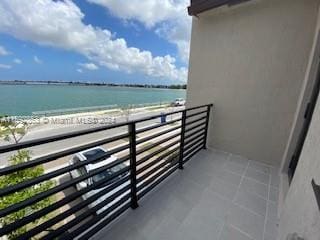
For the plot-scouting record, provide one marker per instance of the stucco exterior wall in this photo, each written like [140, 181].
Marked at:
[250, 61]
[305, 95]
[300, 212]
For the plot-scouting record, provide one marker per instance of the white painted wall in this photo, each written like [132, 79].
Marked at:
[250, 61]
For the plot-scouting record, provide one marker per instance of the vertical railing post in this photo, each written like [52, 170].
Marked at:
[183, 128]
[207, 126]
[133, 164]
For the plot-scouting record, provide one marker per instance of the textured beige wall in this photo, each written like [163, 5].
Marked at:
[250, 62]
[305, 95]
[300, 213]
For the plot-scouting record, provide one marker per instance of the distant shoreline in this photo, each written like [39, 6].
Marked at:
[72, 83]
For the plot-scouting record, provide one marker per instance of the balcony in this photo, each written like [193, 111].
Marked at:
[218, 196]
[79, 206]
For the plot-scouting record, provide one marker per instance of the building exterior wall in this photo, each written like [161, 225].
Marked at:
[305, 95]
[250, 61]
[300, 213]
[298, 207]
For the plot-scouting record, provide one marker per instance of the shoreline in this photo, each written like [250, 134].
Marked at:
[92, 118]
[85, 84]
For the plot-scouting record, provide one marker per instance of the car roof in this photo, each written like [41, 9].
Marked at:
[101, 163]
[82, 153]
[89, 167]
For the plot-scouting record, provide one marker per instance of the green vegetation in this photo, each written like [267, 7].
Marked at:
[10, 129]
[20, 176]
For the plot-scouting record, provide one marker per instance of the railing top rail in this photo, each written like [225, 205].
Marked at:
[31, 143]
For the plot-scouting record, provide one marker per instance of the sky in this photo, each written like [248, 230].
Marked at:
[114, 41]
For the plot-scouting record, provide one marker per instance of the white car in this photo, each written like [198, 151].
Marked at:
[179, 102]
[90, 154]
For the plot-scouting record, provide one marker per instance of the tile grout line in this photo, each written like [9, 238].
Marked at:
[220, 232]
[246, 234]
[264, 173]
[247, 209]
[252, 179]
[266, 217]
[224, 222]
[233, 201]
[242, 177]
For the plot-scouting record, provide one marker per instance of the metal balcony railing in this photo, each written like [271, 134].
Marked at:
[149, 157]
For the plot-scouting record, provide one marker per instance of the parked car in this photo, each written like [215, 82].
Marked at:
[179, 102]
[90, 154]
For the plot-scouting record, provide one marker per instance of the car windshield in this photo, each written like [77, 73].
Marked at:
[108, 172]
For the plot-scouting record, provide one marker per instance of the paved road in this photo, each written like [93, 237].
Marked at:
[65, 144]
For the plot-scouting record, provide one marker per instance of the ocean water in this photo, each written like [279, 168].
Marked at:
[25, 99]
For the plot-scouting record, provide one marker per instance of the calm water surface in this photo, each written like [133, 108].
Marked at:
[25, 99]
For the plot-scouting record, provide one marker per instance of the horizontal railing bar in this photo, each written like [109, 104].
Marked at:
[192, 154]
[73, 210]
[31, 143]
[31, 182]
[196, 114]
[168, 114]
[147, 166]
[54, 156]
[44, 211]
[193, 133]
[142, 178]
[197, 107]
[141, 140]
[145, 129]
[83, 216]
[154, 153]
[194, 126]
[186, 153]
[43, 195]
[154, 177]
[188, 123]
[41, 141]
[198, 137]
[100, 225]
[156, 183]
[157, 143]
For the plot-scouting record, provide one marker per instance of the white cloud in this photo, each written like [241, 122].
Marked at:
[5, 66]
[59, 24]
[89, 66]
[79, 70]
[37, 60]
[168, 18]
[3, 51]
[17, 61]
[148, 12]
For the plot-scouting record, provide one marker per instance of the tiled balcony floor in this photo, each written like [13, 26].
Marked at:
[218, 196]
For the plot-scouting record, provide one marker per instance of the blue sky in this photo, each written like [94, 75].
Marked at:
[127, 41]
